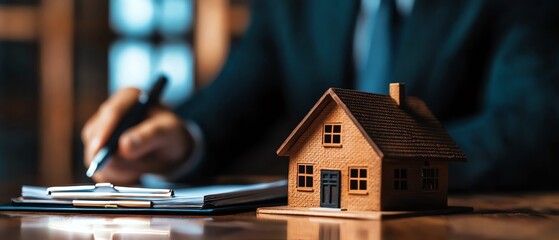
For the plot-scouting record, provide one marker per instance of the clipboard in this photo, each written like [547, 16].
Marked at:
[143, 211]
[107, 198]
[107, 191]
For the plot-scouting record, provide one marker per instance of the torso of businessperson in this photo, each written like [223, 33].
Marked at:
[488, 69]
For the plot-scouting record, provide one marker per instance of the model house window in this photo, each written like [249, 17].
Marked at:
[304, 176]
[332, 135]
[357, 180]
[430, 179]
[401, 179]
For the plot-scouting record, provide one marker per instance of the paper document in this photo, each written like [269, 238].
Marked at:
[107, 195]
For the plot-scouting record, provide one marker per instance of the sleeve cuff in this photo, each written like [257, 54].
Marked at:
[190, 165]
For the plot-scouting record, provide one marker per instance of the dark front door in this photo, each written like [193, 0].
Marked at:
[330, 188]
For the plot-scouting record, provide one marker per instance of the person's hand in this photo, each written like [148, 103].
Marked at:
[156, 145]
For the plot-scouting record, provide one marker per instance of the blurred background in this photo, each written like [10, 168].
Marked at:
[59, 59]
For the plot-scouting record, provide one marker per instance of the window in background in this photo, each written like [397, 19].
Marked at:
[154, 37]
[19, 95]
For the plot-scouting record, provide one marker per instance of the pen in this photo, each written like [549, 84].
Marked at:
[112, 203]
[135, 115]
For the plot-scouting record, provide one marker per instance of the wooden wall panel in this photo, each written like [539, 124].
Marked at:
[56, 121]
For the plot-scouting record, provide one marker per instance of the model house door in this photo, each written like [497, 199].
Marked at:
[330, 188]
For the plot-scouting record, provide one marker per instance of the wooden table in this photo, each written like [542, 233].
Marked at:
[496, 216]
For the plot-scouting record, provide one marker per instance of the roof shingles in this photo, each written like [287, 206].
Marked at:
[407, 131]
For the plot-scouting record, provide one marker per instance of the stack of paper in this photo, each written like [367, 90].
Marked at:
[107, 195]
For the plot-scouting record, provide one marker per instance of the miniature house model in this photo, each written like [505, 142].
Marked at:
[369, 152]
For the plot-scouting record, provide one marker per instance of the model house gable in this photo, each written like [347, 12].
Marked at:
[396, 126]
[332, 129]
[333, 158]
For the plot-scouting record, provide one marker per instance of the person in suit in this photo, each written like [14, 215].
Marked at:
[487, 69]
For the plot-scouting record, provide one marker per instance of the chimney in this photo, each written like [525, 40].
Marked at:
[398, 93]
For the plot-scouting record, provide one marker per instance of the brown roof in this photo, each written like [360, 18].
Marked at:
[395, 132]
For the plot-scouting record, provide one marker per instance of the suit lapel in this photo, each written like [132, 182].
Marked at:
[332, 31]
[431, 51]
[419, 38]
[316, 38]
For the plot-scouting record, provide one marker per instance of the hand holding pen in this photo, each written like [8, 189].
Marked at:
[132, 135]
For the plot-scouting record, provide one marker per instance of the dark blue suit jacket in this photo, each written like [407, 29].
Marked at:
[487, 69]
